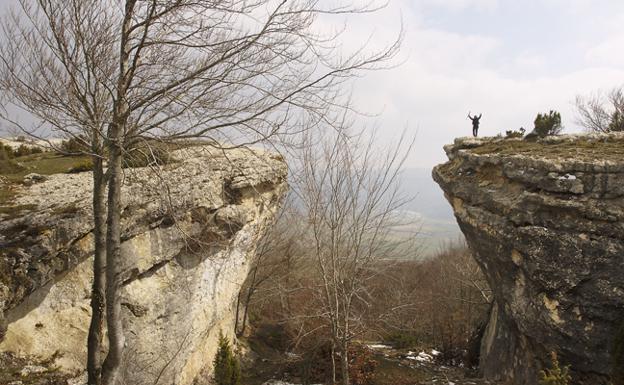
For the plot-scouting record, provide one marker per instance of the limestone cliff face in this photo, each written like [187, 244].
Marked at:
[545, 220]
[189, 232]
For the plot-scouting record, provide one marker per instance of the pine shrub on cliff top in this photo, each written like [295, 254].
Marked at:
[548, 124]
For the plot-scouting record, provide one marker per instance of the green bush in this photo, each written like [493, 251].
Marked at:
[75, 145]
[617, 121]
[514, 133]
[6, 152]
[548, 124]
[556, 375]
[226, 366]
[24, 150]
[147, 155]
[7, 165]
[86, 165]
[402, 340]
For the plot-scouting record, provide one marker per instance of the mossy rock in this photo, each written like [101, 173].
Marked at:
[30, 371]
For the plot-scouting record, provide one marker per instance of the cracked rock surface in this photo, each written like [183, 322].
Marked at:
[545, 221]
[189, 230]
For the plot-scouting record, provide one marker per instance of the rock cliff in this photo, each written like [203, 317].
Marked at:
[545, 221]
[189, 232]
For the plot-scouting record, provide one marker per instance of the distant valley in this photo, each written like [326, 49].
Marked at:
[428, 210]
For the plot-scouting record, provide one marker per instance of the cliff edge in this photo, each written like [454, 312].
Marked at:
[545, 221]
[189, 231]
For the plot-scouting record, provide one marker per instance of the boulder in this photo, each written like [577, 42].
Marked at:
[33, 178]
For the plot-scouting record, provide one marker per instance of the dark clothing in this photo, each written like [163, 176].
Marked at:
[475, 124]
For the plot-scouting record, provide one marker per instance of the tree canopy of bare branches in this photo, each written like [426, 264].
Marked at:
[350, 192]
[602, 112]
[114, 73]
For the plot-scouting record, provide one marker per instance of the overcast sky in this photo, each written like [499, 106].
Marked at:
[506, 59]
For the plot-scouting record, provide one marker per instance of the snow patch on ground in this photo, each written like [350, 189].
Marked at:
[378, 346]
[421, 357]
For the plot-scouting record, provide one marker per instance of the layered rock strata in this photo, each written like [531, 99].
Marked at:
[545, 221]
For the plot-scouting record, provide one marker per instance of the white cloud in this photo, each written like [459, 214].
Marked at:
[527, 62]
[449, 73]
[608, 53]
[442, 51]
[457, 5]
[446, 74]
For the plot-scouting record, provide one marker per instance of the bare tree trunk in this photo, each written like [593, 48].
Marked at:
[241, 325]
[115, 138]
[344, 357]
[333, 362]
[94, 340]
[236, 320]
[112, 363]
[250, 293]
[245, 311]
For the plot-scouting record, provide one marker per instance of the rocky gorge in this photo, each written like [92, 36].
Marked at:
[190, 229]
[545, 221]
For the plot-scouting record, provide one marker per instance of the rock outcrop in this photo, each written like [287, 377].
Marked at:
[188, 233]
[545, 221]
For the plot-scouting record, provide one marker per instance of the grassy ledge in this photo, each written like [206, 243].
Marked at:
[583, 149]
[12, 172]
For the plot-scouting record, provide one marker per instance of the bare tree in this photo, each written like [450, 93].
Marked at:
[271, 262]
[602, 112]
[338, 228]
[349, 190]
[54, 65]
[441, 301]
[122, 72]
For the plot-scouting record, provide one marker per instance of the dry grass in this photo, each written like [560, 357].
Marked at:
[581, 149]
[47, 163]
[13, 171]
